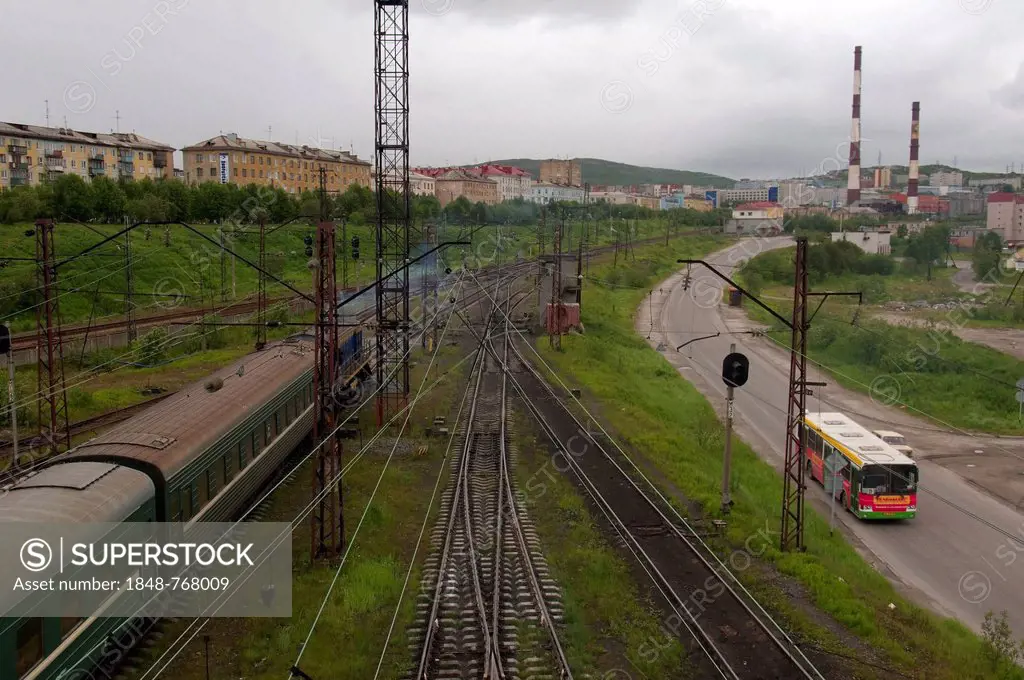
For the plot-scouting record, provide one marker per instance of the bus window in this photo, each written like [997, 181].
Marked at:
[873, 480]
[30, 646]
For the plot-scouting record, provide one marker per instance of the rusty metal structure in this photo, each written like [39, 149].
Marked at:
[261, 288]
[554, 314]
[391, 108]
[328, 524]
[792, 537]
[51, 394]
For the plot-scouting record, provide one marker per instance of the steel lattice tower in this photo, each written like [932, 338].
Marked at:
[328, 526]
[391, 86]
[796, 438]
[51, 397]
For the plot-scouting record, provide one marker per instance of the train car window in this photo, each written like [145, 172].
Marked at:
[241, 455]
[174, 509]
[229, 469]
[277, 423]
[287, 413]
[68, 624]
[30, 646]
[203, 487]
[255, 444]
[268, 434]
[216, 474]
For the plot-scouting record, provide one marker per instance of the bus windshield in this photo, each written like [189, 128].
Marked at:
[882, 479]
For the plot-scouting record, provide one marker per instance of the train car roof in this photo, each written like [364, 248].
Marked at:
[867, 449]
[171, 433]
[75, 492]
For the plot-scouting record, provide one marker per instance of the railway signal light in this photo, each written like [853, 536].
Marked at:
[735, 369]
[355, 247]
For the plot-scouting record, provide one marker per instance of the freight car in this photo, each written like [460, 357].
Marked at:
[197, 456]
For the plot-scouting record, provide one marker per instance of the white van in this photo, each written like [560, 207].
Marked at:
[896, 441]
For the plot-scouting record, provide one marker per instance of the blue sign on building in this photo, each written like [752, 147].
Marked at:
[773, 194]
[713, 197]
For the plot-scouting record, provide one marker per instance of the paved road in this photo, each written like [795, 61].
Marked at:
[958, 565]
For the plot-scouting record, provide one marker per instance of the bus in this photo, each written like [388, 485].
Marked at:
[877, 481]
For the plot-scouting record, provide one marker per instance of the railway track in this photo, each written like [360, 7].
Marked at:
[489, 608]
[734, 636]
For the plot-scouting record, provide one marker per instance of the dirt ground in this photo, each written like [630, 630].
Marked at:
[1007, 340]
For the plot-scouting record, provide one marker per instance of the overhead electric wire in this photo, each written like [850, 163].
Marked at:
[661, 496]
[304, 512]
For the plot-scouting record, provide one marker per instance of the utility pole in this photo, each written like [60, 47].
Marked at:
[328, 523]
[7, 349]
[129, 303]
[223, 265]
[51, 394]
[554, 315]
[261, 287]
[796, 434]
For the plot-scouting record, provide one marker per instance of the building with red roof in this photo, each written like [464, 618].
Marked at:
[512, 182]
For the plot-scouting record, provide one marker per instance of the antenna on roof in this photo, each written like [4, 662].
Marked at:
[117, 118]
[270, 133]
[65, 123]
[47, 102]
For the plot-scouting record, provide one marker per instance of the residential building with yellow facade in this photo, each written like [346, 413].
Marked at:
[32, 154]
[230, 159]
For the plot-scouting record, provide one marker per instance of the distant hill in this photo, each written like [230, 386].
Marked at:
[597, 171]
[925, 170]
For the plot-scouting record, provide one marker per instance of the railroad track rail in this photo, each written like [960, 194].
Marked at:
[489, 608]
[735, 636]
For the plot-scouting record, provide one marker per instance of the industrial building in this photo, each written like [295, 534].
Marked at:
[1005, 216]
[230, 159]
[871, 242]
[32, 154]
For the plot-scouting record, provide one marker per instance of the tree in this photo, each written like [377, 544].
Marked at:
[986, 256]
[109, 199]
[929, 245]
[73, 198]
[1008, 188]
[150, 208]
[901, 231]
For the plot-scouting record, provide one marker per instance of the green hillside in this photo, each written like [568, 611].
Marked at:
[597, 171]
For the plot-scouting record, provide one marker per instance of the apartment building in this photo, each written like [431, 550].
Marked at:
[230, 159]
[545, 192]
[946, 179]
[419, 184]
[568, 173]
[512, 182]
[32, 154]
[460, 182]
[1005, 216]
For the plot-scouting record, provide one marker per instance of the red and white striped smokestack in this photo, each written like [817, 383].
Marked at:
[915, 170]
[853, 179]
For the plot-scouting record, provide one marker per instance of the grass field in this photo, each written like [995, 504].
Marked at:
[607, 624]
[660, 415]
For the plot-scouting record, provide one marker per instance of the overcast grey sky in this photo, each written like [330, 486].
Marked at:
[746, 88]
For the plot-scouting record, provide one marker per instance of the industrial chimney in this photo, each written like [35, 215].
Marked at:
[915, 136]
[853, 179]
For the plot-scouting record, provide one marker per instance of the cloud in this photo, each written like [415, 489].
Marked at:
[739, 87]
[1011, 95]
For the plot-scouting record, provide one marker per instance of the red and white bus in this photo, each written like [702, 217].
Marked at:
[868, 477]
